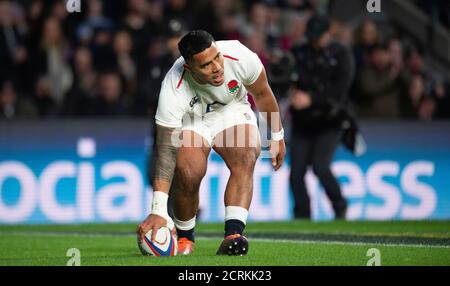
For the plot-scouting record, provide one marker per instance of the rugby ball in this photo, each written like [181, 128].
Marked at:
[165, 243]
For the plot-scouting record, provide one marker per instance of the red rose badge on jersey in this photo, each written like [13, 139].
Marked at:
[233, 86]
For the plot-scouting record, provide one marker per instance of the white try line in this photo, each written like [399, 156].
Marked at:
[352, 243]
[200, 237]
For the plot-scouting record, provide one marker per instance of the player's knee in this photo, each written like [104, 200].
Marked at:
[190, 172]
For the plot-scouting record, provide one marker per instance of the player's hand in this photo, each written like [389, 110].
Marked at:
[152, 222]
[277, 151]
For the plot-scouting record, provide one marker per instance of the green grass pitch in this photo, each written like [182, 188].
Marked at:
[292, 243]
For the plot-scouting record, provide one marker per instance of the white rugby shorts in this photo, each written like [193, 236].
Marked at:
[212, 123]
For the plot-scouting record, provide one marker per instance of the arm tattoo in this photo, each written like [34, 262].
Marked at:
[165, 155]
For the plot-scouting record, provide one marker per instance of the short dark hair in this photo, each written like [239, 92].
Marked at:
[317, 25]
[194, 42]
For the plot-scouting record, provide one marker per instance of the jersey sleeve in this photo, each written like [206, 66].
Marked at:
[170, 109]
[251, 63]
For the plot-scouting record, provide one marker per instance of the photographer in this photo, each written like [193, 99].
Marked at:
[323, 73]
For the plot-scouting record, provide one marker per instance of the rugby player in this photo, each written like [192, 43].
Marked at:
[203, 102]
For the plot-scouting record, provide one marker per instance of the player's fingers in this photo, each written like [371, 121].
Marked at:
[277, 165]
[154, 231]
[273, 154]
[274, 161]
[280, 159]
[140, 231]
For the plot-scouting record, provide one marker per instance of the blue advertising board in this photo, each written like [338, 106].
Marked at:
[96, 171]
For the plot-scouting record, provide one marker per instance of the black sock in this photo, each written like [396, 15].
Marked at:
[234, 226]
[189, 234]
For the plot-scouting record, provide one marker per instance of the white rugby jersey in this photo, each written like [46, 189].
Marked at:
[180, 94]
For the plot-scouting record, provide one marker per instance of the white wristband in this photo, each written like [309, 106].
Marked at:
[159, 204]
[277, 136]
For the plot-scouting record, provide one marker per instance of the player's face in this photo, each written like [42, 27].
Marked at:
[207, 66]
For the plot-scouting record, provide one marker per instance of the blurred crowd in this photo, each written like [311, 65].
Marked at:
[438, 10]
[110, 59]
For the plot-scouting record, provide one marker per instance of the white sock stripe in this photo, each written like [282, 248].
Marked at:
[239, 213]
[184, 225]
